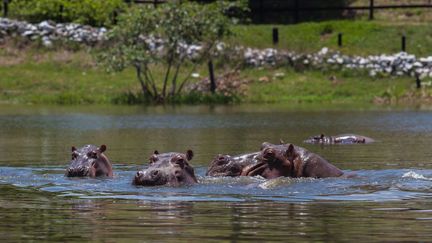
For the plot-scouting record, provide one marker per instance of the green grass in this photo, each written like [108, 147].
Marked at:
[359, 37]
[53, 83]
[61, 84]
[323, 87]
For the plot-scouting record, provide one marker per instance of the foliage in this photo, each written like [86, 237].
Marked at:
[92, 12]
[147, 38]
[237, 10]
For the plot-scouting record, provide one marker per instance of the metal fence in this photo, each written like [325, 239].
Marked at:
[294, 11]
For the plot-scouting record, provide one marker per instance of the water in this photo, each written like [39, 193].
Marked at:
[388, 200]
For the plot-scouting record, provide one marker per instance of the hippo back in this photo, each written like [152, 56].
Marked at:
[339, 139]
[314, 165]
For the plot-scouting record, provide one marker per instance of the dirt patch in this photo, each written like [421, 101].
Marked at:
[227, 84]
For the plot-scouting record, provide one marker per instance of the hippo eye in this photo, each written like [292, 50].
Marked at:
[92, 154]
[180, 162]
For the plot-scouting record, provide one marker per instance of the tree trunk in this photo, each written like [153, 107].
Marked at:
[144, 87]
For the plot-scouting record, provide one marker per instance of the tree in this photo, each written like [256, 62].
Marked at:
[173, 36]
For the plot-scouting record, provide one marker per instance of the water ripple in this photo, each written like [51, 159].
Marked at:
[368, 185]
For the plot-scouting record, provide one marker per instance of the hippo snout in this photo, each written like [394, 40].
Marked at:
[148, 178]
[77, 171]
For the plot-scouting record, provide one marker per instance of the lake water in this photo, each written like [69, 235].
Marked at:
[389, 200]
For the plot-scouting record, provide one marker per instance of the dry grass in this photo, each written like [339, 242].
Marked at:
[17, 52]
[10, 55]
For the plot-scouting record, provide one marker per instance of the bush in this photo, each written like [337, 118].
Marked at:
[91, 12]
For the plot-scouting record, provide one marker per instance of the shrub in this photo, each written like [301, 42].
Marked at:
[92, 12]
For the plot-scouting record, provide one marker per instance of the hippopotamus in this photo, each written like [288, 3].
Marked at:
[226, 165]
[290, 161]
[339, 139]
[91, 161]
[170, 169]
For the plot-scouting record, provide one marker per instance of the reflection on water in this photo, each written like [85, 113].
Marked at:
[39, 215]
[389, 200]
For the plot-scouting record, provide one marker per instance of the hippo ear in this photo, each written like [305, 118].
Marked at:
[322, 136]
[102, 148]
[282, 142]
[156, 152]
[73, 149]
[189, 154]
[290, 152]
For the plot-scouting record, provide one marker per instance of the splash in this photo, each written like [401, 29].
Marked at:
[414, 175]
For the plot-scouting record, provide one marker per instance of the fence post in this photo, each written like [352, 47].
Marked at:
[418, 81]
[275, 36]
[115, 16]
[340, 39]
[261, 11]
[155, 3]
[5, 8]
[296, 11]
[403, 43]
[371, 10]
[212, 77]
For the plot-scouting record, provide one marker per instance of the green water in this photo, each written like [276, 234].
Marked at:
[390, 200]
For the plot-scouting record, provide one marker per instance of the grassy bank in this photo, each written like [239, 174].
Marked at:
[327, 87]
[31, 74]
[359, 37]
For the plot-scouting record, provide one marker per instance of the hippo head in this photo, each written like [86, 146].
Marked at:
[224, 165]
[170, 169]
[277, 155]
[274, 161]
[89, 161]
[316, 139]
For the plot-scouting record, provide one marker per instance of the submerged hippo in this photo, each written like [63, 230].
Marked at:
[339, 139]
[226, 165]
[170, 169]
[290, 161]
[89, 161]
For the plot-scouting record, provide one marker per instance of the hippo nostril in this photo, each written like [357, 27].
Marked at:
[138, 174]
[155, 173]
